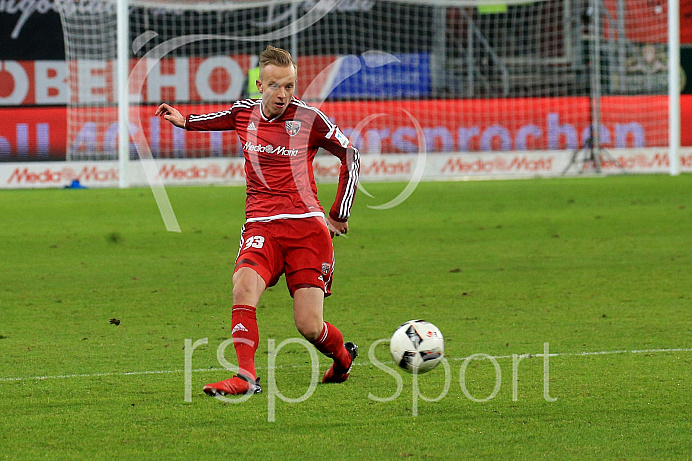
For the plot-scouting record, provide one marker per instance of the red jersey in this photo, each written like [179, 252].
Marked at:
[278, 158]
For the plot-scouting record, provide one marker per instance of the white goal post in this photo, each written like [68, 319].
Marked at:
[452, 76]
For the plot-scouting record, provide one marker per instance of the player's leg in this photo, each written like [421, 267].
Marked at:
[309, 270]
[248, 286]
[307, 312]
[255, 269]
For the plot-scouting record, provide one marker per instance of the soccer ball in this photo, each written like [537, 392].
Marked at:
[417, 346]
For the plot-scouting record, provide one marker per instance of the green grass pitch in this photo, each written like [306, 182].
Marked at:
[598, 271]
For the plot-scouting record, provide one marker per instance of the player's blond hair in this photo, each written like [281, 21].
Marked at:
[277, 57]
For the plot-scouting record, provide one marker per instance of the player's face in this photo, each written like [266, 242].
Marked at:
[277, 85]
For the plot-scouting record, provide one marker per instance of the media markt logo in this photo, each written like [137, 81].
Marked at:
[269, 149]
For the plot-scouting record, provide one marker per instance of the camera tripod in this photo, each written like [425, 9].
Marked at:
[592, 157]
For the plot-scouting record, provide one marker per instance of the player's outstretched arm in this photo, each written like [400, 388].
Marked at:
[171, 114]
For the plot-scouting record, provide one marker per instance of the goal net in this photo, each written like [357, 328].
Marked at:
[397, 76]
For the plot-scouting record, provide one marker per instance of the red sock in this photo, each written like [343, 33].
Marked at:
[244, 322]
[331, 344]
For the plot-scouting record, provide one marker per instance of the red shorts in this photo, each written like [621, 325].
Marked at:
[301, 248]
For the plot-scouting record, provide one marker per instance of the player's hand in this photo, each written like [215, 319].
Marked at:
[336, 227]
[171, 114]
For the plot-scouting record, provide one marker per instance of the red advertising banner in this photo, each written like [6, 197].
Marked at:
[482, 125]
[33, 133]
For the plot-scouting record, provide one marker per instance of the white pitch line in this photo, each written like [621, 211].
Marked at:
[97, 375]
[583, 354]
[201, 370]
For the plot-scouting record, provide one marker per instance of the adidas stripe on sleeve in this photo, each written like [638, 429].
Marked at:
[216, 121]
[330, 137]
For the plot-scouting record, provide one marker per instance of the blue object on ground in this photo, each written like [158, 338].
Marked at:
[75, 184]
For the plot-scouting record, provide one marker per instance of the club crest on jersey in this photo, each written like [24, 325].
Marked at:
[292, 127]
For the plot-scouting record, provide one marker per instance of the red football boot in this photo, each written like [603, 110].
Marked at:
[236, 385]
[331, 376]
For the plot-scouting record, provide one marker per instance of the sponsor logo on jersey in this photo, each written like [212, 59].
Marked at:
[343, 140]
[250, 146]
[293, 127]
[251, 126]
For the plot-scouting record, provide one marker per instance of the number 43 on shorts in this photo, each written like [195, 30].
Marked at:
[255, 242]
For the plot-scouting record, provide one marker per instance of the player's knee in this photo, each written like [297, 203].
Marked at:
[247, 287]
[310, 330]
[242, 292]
[245, 293]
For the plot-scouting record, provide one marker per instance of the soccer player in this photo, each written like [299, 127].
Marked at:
[286, 230]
